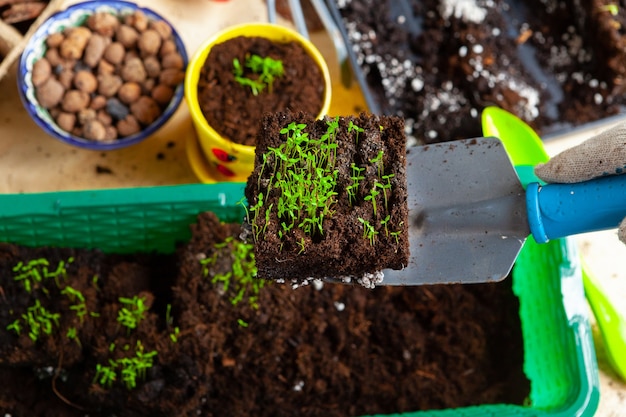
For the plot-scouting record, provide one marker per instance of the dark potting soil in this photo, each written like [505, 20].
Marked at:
[439, 63]
[233, 110]
[229, 347]
[358, 204]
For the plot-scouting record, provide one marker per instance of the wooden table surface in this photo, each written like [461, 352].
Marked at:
[31, 161]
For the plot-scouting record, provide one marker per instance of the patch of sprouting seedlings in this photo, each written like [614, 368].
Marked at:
[239, 281]
[128, 369]
[39, 277]
[34, 272]
[37, 320]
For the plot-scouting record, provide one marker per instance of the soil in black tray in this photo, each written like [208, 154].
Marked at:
[194, 333]
[439, 63]
[228, 100]
[329, 197]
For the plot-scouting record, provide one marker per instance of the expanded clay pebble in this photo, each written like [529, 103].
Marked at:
[95, 49]
[73, 46]
[103, 23]
[41, 71]
[127, 36]
[111, 77]
[85, 81]
[129, 92]
[145, 109]
[149, 42]
[50, 93]
[75, 101]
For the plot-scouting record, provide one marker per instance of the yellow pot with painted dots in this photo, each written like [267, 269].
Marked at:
[212, 156]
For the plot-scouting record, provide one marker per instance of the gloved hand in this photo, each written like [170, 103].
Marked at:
[601, 155]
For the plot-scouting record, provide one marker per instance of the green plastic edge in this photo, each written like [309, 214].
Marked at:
[65, 219]
[116, 220]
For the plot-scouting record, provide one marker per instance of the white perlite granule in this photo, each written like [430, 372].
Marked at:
[466, 10]
[371, 280]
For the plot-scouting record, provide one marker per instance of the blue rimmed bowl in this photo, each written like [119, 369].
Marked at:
[76, 15]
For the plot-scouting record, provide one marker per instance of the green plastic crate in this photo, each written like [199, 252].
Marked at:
[559, 357]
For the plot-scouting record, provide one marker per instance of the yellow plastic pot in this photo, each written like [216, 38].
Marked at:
[223, 159]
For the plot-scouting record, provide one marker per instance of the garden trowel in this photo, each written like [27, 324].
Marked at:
[469, 215]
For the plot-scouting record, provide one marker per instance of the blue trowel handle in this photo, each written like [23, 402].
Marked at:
[559, 210]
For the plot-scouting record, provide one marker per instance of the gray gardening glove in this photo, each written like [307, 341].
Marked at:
[601, 155]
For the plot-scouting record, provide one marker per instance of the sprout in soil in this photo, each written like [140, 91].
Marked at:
[72, 334]
[169, 322]
[76, 297]
[133, 311]
[357, 129]
[369, 232]
[356, 178]
[15, 326]
[265, 69]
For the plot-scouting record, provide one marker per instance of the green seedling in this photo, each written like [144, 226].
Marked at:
[385, 187]
[356, 178]
[301, 244]
[76, 297]
[378, 161]
[242, 323]
[133, 312]
[371, 197]
[384, 224]
[353, 127]
[72, 334]
[255, 209]
[106, 375]
[94, 282]
[369, 232]
[175, 335]
[169, 322]
[396, 234]
[15, 326]
[266, 70]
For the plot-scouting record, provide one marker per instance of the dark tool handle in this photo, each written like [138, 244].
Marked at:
[559, 210]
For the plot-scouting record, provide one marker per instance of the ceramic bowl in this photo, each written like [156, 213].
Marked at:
[76, 15]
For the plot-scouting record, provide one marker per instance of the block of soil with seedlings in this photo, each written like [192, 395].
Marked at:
[195, 333]
[245, 77]
[328, 198]
[438, 63]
